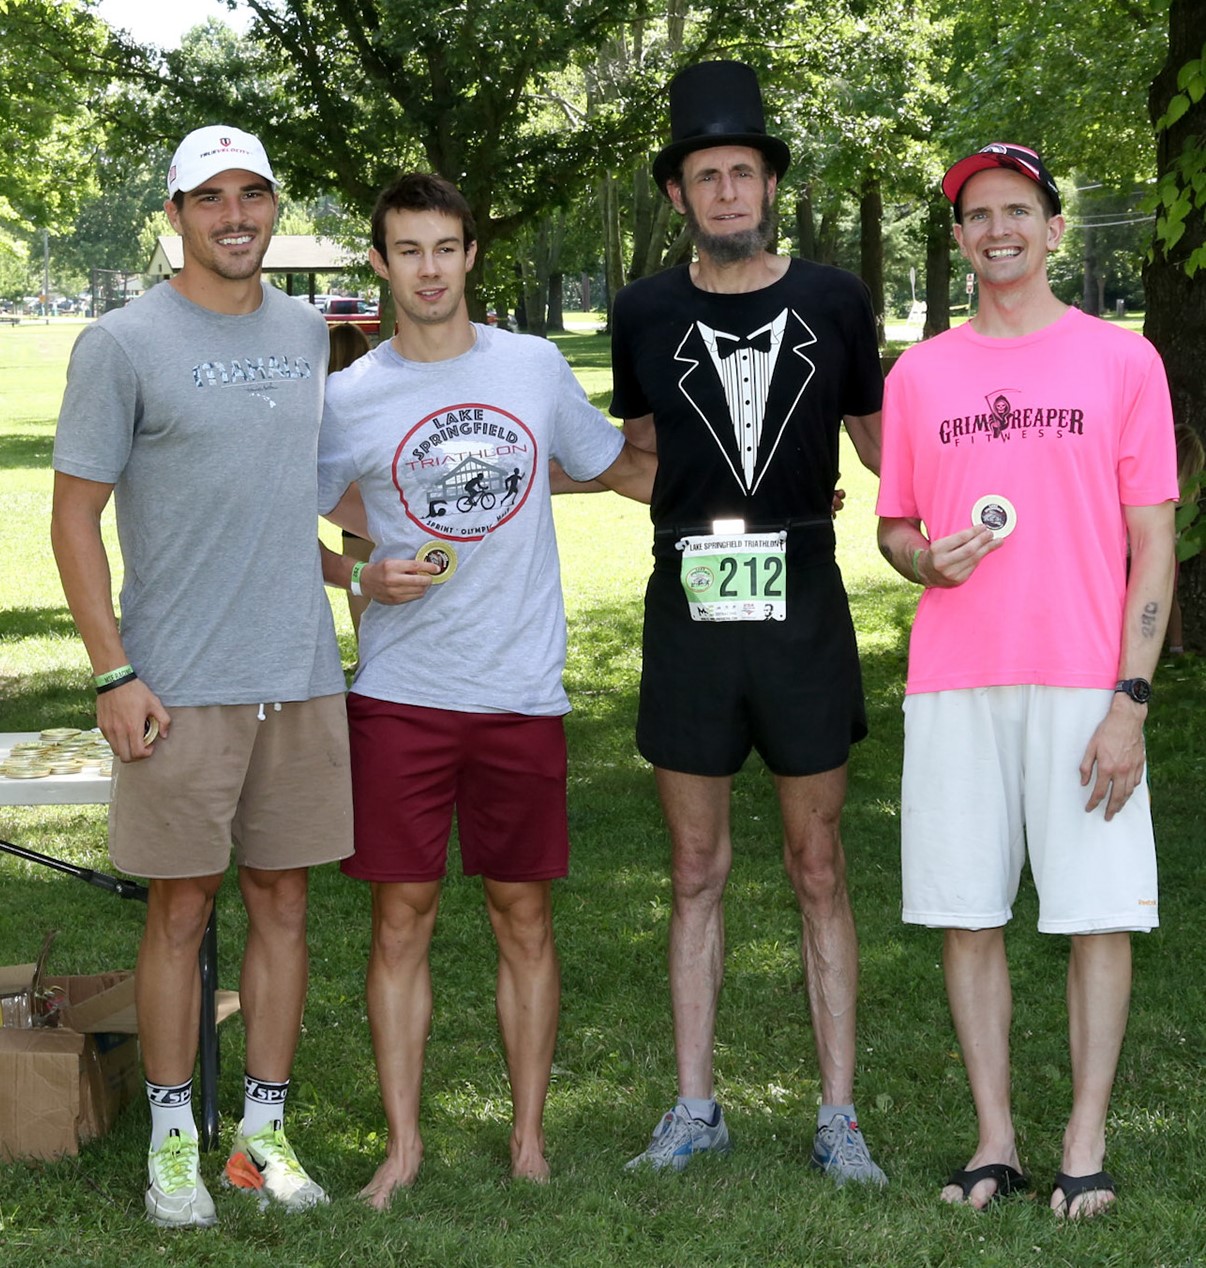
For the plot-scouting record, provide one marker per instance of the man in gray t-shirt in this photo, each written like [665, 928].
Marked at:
[198, 407]
[447, 430]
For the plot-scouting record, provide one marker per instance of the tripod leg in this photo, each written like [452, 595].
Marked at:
[208, 1039]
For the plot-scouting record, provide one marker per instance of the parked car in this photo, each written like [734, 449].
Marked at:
[354, 311]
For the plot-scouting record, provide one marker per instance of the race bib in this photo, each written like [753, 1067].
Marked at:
[737, 578]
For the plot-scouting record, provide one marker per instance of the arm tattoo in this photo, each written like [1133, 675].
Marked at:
[1147, 621]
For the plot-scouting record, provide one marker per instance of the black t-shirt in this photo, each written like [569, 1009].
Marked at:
[673, 348]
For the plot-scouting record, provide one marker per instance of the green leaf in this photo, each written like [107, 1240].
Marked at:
[1177, 108]
[1185, 515]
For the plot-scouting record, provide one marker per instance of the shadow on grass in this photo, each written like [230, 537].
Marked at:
[32, 700]
[39, 622]
[33, 452]
[585, 352]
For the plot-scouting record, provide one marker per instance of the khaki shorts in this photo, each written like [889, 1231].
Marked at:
[991, 775]
[277, 787]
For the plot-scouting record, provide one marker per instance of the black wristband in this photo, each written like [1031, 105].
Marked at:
[117, 682]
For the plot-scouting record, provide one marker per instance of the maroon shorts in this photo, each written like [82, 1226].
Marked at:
[503, 773]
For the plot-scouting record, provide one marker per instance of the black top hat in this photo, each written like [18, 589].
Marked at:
[716, 103]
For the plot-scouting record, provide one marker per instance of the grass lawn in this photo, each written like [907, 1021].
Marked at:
[614, 1072]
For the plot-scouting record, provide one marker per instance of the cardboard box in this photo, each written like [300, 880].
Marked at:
[63, 1085]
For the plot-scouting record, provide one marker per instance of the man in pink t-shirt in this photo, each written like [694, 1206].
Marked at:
[1026, 454]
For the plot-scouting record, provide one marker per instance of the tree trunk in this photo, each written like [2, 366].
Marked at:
[806, 234]
[1089, 289]
[645, 240]
[937, 268]
[827, 239]
[1176, 302]
[556, 301]
[535, 297]
[613, 249]
[871, 249]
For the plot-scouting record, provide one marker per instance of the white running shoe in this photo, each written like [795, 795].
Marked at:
[265, 1165]
[176, 1195]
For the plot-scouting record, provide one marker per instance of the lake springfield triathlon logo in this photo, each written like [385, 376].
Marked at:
[464, 470]
[1005, 419]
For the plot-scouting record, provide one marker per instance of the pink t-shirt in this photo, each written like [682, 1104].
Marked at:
[1070, 424]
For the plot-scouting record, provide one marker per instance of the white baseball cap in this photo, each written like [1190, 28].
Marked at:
[207, 151]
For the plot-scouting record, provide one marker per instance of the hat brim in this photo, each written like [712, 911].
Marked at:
[670, 158]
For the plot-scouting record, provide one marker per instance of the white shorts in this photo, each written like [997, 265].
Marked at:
[992, 771]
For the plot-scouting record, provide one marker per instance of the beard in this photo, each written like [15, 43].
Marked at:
[731, 248]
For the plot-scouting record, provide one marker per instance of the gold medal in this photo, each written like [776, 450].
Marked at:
[442, 555]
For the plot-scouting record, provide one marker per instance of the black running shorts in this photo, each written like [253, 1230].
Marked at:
[712, 691]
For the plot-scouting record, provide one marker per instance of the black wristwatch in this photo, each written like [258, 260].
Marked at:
[1139, 689]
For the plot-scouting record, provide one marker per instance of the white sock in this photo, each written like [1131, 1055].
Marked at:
[263, 1103]
[171, 1110]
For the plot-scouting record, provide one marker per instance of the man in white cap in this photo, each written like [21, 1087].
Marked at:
[1035, 445]
[199, 406]
[738, 369]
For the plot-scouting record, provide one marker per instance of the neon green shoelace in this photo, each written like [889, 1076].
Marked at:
[175, 1164]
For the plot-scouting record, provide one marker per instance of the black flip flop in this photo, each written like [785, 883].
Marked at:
[1008, 1179]
[1073, 1186]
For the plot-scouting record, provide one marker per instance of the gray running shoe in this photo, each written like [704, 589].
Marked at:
[677, 1137]
[840, 1151]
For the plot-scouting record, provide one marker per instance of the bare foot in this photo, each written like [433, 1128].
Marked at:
[537, 1171]
[399, 1171]
[528, 1162]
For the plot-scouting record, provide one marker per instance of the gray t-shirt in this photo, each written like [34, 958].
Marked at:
[453, 455]
[207, 424]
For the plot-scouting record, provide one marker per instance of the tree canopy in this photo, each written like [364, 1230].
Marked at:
[52, 72]
[536, 106]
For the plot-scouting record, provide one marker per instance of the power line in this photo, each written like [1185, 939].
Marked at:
[1109, 224]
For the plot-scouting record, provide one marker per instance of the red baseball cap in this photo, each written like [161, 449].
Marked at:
[1018, 158]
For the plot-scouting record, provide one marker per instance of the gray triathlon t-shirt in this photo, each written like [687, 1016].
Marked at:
[207, 424]
[453, 456]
